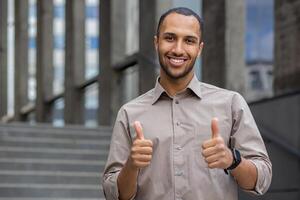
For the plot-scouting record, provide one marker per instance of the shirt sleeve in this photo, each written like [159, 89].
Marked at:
[246, 138]
[118, 154]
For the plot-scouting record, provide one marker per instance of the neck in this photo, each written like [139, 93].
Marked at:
[174, 86]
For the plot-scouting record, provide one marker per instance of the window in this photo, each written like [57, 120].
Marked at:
[256, 82]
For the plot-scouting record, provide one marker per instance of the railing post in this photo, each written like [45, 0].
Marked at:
[21, 57]
[3, 57]
[75, 61]
[44, 75]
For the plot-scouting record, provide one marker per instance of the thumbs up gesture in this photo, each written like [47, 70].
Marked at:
[215, 151]
[141, 150]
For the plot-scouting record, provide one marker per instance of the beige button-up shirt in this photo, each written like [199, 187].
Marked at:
[177, 127]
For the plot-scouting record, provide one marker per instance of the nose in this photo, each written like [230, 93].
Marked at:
[178, 48]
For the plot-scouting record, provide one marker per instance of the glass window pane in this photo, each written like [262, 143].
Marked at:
[91, 38]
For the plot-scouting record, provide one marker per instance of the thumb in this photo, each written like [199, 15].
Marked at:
[214, 127]
[139, 130]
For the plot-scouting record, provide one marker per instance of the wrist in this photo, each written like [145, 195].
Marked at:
[131, 166]
[231, 158]
[236, 160]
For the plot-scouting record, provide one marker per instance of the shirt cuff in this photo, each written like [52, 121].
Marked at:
[110, 186]
[263, 178]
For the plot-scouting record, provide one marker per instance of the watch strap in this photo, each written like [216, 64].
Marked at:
[236, 160]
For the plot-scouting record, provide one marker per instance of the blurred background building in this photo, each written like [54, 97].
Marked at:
[72, 64]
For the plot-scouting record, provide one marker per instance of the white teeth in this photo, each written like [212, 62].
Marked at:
[177, 60]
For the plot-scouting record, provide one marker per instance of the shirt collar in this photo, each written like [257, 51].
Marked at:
[194, 86]
[158, 90]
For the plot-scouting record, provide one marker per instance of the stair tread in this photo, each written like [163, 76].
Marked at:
[47, 163]
[52, 150]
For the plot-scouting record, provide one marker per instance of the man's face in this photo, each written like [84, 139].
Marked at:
[178, 45]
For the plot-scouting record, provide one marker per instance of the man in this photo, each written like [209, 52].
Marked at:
[184, 139]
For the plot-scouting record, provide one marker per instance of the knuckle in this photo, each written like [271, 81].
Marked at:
[150, 143]
[151, 151]
[133, 150]
[135, 142]
[220, 147]
[133, 157]
[220, 140]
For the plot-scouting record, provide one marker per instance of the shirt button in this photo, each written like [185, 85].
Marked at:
[178, 148]
[178, 173]
[176, 101]
[178, 123]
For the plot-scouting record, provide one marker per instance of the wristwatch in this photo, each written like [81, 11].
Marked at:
[236, 160]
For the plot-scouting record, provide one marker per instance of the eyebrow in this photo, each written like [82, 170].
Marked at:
[169, 34]
[174, 35]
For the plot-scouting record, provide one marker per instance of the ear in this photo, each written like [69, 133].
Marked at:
[200, 48]
[155, 42]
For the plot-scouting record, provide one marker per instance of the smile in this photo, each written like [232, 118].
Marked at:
[177, 61]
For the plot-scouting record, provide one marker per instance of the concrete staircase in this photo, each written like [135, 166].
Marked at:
[46, 163]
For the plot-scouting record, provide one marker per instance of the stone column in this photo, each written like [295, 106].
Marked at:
[3, 57]
[147, 55]
[44, 56]
[75, 61]
[287, 36]
[21, 57]
[106, 74]
[223, 53]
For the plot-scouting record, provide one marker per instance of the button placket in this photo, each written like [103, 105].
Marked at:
[178, 150]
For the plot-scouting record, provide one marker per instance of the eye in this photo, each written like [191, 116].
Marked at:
[190, 41]
[169, 38]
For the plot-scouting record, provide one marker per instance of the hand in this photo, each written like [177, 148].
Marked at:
[215, 151]
[141, 150]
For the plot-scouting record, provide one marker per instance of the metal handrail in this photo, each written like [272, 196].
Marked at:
[88, 83]
[55, 97]
[127, 62]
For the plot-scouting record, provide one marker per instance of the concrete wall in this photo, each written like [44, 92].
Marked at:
[278, 120]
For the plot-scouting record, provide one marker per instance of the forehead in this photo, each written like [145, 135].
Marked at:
[180, 24]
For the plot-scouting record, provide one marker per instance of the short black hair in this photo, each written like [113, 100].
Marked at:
[183, 11]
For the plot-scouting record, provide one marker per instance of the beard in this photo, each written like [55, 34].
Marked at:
[172, 75]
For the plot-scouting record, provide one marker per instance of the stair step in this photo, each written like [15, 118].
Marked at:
[45, 198]
[45, 163]
[53, 190]
[51, 165]
[74, 130]
[55, 145]
[102, 155]
[52, 161]
[41, 179]
[50, 173]
[50, 140]
[53, 134]
[53, 150]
